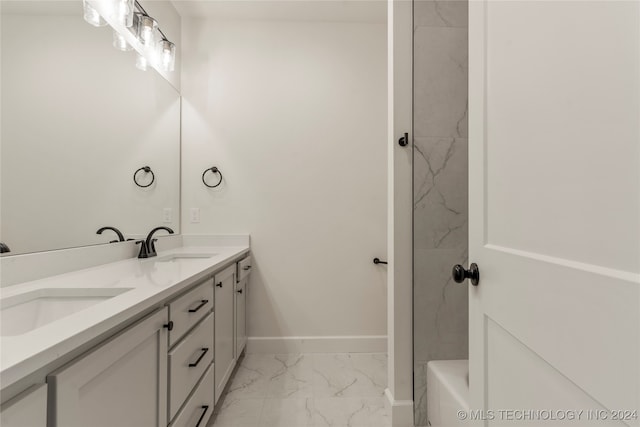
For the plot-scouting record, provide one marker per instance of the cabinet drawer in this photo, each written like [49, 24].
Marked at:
[188, 361]
[244, 268]
[188, 309]
[198, 409]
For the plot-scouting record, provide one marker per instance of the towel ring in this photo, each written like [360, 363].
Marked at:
[145, 169]
[212, 169]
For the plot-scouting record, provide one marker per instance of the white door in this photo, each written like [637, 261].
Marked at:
[554, 190]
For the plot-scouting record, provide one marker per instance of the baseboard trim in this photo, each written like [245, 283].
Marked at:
[321, 344]
[401, 411]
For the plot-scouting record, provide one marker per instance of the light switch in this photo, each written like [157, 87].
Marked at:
[195, 215]
[167, 215]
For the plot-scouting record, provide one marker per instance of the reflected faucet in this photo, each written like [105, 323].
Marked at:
[148, 247]
[4, 248]
[120, 235]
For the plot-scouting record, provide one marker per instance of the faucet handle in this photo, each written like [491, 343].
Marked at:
[144, 251]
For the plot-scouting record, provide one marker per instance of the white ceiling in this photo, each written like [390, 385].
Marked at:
[286, 10]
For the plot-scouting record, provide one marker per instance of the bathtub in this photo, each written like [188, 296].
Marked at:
[447, 392]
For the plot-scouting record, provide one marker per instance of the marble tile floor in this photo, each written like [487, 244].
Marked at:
[302, 390]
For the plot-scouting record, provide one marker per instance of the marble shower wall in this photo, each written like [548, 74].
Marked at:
[440, 187]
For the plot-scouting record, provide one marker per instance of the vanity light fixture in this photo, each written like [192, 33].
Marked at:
[91, 15]
[124, 12]
[167, 54]
[145, 29]
[153, 47]
[159, 50]
[141, 62]
[120, 43]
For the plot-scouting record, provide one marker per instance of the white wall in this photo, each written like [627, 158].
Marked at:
[294, 115]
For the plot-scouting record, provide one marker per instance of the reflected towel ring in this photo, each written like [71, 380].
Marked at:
[212, 169]
[145, 169]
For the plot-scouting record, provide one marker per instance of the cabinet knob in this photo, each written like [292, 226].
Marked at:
[239, 291]
[169, 325]
[219, 284]
[248, 267]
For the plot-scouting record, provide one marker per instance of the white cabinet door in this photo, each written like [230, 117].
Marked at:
[224, 336]
[240, 315]
[28, 409]
[554, 185]
[122, 382]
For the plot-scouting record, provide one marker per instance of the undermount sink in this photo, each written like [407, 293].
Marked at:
[22, 313]
[182, 257]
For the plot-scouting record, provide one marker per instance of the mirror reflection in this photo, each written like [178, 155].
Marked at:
[78, 119]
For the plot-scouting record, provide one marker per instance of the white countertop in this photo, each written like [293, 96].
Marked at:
[151, 281]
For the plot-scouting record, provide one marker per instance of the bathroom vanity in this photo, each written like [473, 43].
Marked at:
[136, 342]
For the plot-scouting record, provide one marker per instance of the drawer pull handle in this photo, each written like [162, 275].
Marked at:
[239, 291]
[206, 408]
[248, 267]
[204, 351]
[219, 284]
[202, 304]
[169, 325]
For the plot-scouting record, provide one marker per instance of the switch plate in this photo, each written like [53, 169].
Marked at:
[194, 215]
[167, 215]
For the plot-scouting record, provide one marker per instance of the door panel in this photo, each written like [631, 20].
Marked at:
[563, 109]
[510, 360]
[554, 176]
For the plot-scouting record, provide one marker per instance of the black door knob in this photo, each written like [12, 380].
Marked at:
[459, 274]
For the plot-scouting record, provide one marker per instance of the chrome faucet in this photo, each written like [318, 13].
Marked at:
[120, 235]
[148, 247]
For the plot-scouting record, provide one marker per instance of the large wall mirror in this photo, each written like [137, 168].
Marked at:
[78, 119]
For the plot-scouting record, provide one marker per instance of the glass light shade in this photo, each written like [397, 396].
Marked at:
[147, 27]
[141, 62]
[167, 55]
[120, 43]
[92, 16]
[124, 12]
